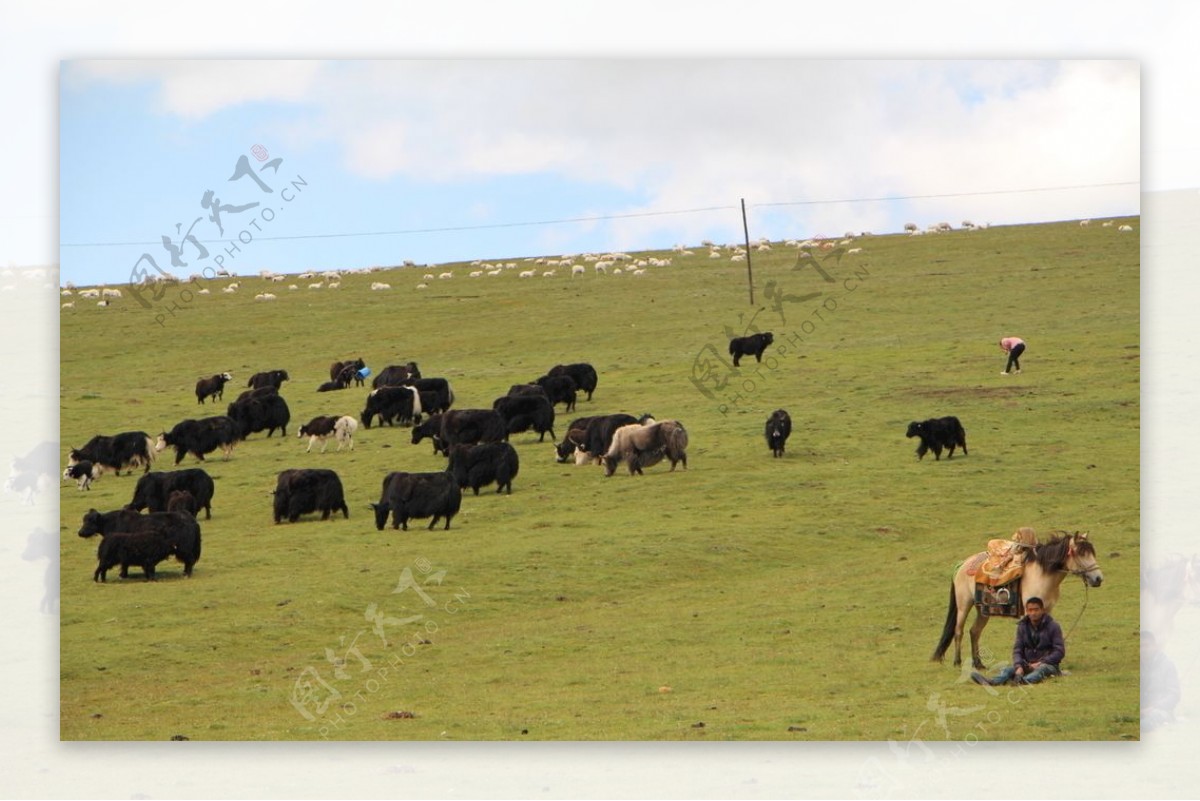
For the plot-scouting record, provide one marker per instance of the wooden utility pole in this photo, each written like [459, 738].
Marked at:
[749, 272]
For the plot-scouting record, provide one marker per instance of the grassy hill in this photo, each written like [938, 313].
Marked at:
[746, 598]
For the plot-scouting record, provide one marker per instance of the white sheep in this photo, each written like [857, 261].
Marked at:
[229, 290]
[738, 257]
[69, 305]
[475, 274]
[602, 266]
[548, 274]
[378, 285]
[852, 251]
[67, 292]
[203, 291]
[527, 274]
[264, 296]
[422, 286]
[577, 269]
[318, 285]
[444, 276]
[1125, 228]
[334, 285]
[427, 277]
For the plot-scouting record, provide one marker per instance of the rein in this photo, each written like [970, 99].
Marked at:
[1080, 615]
[1081, 574]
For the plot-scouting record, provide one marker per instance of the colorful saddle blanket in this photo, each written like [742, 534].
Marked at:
[1000, 564]
[999, 601]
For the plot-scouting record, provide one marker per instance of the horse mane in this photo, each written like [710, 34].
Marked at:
[1052, 556]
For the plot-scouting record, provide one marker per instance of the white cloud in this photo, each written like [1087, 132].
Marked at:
[689, 133]
[195, 89]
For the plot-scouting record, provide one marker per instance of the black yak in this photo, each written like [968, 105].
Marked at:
[938, 433]
[300, 492]
[153, 490]
[476, 465]
[779, 428]
[413, 495]
[212, 387]
[199, 437]
[143, 549]
[753, 345]
[125, 451]
[180, 530]
[583, 373]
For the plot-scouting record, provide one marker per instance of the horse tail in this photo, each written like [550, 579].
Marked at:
[948, 631]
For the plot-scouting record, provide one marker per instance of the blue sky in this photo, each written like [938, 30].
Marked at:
[435, 161]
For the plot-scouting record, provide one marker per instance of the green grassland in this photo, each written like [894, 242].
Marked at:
[793, 599]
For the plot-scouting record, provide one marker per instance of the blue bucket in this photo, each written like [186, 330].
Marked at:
[364, 372]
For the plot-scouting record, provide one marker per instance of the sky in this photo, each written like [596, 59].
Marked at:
[350, 164]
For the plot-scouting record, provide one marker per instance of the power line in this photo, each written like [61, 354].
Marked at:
[946, 195]
[631, 215]
[444, 229]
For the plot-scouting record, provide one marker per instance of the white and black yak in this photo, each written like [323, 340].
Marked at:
[642, 445]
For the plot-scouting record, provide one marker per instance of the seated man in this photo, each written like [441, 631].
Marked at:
[1160, 685]
[1037, 652]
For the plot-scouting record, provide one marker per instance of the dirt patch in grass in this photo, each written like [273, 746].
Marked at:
[970, 392]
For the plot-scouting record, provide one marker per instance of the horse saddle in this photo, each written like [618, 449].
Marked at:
[1001, 564]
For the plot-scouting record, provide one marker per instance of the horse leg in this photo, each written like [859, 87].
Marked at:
[976, 630]
[960, 623]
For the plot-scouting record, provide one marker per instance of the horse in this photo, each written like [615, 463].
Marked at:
[1166, 586]
[1043, 576]
[42, 544]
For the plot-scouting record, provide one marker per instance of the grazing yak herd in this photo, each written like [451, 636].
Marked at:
[160, 522]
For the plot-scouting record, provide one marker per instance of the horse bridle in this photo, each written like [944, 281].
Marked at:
[1070, 555]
